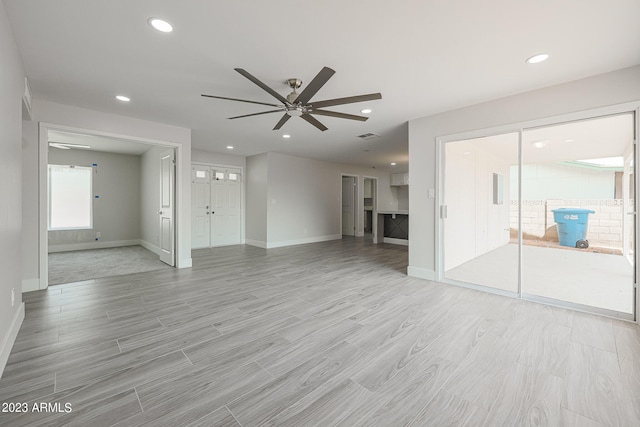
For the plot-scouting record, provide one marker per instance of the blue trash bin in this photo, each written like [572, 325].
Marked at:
[572, 226]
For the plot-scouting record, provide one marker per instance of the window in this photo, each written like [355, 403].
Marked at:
[70, 197]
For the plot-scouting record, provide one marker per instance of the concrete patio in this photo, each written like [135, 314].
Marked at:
[592, 279]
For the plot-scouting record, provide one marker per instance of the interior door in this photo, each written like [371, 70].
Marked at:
[200, 206]
[226, 209]
[348, 206]
[166, 212]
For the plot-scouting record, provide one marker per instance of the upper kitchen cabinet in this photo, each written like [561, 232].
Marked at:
[400, 178]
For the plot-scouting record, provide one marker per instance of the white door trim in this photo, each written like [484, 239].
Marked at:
[242, 191]
[43, 161]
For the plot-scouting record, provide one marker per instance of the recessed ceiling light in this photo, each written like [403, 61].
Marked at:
[229, 147]
[285, 136]
[568, 140]
[160, 25]
[537, 58]
[540, 144]
[366, 111]
[123, 98]
[393, 163]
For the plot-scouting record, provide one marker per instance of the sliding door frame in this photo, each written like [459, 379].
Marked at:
[519, 128]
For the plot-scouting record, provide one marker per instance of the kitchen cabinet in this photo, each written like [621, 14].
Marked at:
[399, 179]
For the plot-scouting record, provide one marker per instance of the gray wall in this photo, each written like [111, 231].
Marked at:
[224, 159]
[256, 186]
[613, 88]
[116, 213]
[293, 200]
[11, 90]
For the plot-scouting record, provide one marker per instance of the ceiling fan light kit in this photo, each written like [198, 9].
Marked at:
[299, 104]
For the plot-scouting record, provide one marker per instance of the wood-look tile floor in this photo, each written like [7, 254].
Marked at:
[326, 334]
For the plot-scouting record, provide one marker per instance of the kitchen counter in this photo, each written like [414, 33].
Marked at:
[399, 212]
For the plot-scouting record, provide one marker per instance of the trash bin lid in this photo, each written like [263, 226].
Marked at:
[573, 211]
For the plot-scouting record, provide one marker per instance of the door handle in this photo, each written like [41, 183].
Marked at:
[160, 213]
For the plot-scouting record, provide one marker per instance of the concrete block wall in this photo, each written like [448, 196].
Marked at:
[605, 227]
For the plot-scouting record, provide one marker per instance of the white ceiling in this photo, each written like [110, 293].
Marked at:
[423, 56]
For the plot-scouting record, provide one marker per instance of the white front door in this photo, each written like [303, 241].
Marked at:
[225, 207]
[167, 195]
[348, 206]
[216, 206]
[200, 206]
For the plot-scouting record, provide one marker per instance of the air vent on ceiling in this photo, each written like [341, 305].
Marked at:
[368, 136]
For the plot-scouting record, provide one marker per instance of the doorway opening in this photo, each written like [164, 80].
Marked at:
[545, 214]
[349, 203]
[370, 204]
[127, 221]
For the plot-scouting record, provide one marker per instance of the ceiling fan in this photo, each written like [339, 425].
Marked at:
[299, 104]
[67, 146]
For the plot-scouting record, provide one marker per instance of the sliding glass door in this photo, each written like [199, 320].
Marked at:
[545, 213]
[479, 227]
[577, 191]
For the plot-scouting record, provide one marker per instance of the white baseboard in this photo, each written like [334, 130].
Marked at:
[402, 242]
[12, 333]
[153, 248]
[30, 285]
[258, 243]
[421, 273]
[93, 245]
[304, 241]
[185, 263]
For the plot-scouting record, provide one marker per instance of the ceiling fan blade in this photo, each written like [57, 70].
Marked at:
[282, 121]
[264, 87]
[347, 100]
[314, 121]
[255, 114]
[240, 100]
[312, 88]
[339, 115]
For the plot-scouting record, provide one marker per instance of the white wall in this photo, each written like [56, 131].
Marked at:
[554, 181]
[474, 225]
[609, 89]
[116, 211]
[293, 200]
[402, 193]
[66, 117]
[11, 90]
